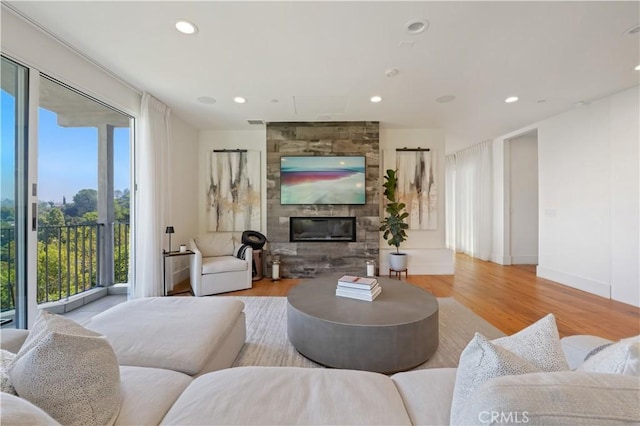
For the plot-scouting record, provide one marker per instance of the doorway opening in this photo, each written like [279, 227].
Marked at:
[523, 196]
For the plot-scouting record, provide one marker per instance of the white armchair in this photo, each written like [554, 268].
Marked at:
[216, 266]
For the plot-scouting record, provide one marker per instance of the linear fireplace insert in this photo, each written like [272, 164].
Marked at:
[307, 229]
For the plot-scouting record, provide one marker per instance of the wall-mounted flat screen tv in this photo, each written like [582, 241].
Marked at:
[322, 180]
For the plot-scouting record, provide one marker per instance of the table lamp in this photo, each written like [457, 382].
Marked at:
[169, 231]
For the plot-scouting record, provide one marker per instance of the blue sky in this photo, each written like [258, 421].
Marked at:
[7, 151]
[67, 157]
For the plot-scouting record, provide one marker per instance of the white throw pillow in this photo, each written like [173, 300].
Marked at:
[481, 361]
[622, 357]
[539, 344]
[6, 359]
[534, 349]
[69, 372]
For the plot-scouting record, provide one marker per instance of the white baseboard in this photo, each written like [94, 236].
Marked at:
[584, 284]
[438, 261]
[524, 260]
[514, 260]
[501, 260]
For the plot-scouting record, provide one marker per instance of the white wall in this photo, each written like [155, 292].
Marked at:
[625, 204]
[523, 188]
[575, 157]
[589, 197]
[254, 140]
[426, 249]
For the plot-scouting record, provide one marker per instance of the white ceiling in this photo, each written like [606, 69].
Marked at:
[322, 61]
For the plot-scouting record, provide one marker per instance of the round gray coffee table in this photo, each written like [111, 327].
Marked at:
[395, 332]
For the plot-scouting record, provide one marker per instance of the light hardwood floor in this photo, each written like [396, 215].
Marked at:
[509, 297]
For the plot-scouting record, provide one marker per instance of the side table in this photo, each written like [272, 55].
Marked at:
[165, 255]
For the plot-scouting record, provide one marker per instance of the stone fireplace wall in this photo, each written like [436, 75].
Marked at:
[308, 259]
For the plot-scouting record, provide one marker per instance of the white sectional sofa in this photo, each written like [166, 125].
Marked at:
[288, 395]
[190, 335]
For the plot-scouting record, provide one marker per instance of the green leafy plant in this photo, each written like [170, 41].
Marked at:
[393, 226]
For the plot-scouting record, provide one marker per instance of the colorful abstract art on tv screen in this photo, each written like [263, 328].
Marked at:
[322, 180]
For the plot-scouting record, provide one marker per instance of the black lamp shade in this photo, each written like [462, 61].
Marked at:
[169, 231]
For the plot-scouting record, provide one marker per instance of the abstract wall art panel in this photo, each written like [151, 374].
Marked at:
[417, 188]
[322, 180]
[233, 191]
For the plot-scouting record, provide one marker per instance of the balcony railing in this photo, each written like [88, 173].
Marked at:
[67, 261]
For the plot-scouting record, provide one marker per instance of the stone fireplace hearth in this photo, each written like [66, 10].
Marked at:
[310, 258]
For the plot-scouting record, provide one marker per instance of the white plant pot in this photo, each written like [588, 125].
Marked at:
[398, 261]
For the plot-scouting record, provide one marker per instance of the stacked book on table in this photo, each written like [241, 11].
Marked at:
[361, 288]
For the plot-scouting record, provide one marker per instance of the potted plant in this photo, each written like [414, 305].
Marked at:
[393, 225]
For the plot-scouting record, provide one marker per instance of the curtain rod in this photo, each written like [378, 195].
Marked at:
[229, 150]
[412, 149]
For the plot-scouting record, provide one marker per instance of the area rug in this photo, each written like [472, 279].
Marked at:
[267, 343]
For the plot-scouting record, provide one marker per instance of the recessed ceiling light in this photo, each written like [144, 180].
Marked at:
[417, 26]
[445, 99]
[638, 68]
[376, 99]
[511, 99]
[186, 27]
[206, 100]
[239, 100]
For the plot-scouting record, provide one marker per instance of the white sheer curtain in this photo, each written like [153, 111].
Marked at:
[472, 202]
[450, 200]
[151, 201]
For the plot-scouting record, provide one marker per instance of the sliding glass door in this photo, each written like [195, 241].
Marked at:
[65, 193]
[13, 195]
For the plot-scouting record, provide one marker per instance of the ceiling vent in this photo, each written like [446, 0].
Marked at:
[256, 122]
